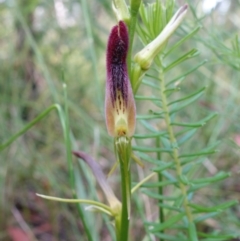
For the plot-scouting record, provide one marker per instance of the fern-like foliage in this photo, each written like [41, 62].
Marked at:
[165, 135]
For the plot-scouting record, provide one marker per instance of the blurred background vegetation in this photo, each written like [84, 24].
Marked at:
[45, 43]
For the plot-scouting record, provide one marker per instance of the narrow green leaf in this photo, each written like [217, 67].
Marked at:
[200, 91]
[178, 80]
[217, 208]
[169, 176]
[196, 124]
[148, 117]
[188, 168]
[156, 112]
[209, 150]
[192, 53]
[142, 34]
[171, 208]
[186, 137]
[142, 12]
[182, 131]
[235, 45]
[157, 10]
[150, 84]
[219, 176]
[171, 90]
[179, 202]
[162, 166]
[182, 76]
[151, 135]
[150, 149]
[192, 232]
[163, 236]
[216, 236]
[151, 18]
[159, 196]
[148, 126]
[184, 180]
[157, 103]
[209, 117]
[202, 153]
[148, 158]
[182, 40]
[196, 187]
[168, 223]
[153, 76]
[158, 184]
[166, 143]
[217, 239]
[139, 97]
[178, 107]
[189, 160]
[205, 216]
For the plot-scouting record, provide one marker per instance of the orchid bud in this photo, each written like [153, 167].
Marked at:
[120, 107]
[145, 57]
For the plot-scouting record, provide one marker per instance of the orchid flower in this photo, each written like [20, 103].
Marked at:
[120, 107]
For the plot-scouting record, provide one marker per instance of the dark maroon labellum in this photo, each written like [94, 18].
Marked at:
[116, 62]
[120, 110]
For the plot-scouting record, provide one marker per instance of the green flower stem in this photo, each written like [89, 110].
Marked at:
[175, 148]
[125, 176]
[123, 147]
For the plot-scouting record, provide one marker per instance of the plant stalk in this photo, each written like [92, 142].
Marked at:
[174, 146]
[123, 147]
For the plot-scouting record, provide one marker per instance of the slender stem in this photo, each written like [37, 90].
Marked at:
[123, 147]
[175, 147]
[124, 216]
[160, 189]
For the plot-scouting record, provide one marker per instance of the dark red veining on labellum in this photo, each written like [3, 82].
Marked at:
[117, 75]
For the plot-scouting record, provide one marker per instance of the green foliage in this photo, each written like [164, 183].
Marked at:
[176, 168]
